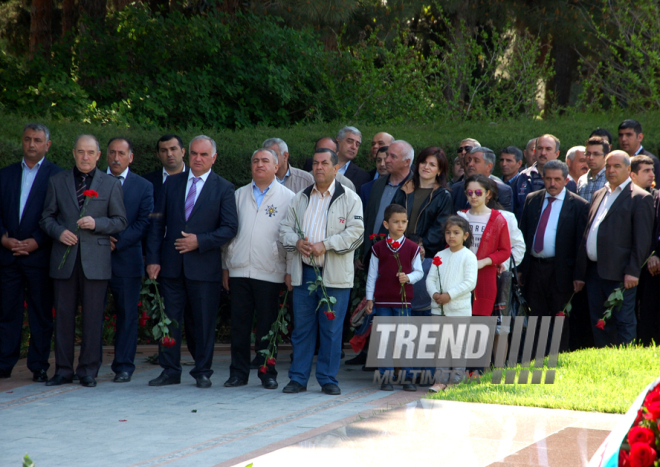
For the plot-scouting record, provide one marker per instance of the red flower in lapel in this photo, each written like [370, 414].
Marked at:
[90, 194]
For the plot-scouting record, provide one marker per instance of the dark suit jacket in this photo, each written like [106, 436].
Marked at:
[356, 175]
[213, 219]
[28, 227]
[61, 212]
[156, 179]
[624, 235]
[504, 195]
[570, 229]
[139, 202]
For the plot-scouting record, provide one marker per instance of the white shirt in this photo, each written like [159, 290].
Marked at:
[549, 239]
[415, 276]
[200, 184]
[605, 205]
[165, 174]
[27, 180]
[124, 174]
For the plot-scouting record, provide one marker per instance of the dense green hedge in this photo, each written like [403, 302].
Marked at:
[235, 147]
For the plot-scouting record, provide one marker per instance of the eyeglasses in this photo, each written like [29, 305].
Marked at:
[476, 193]
[589, 154]
[464, 148]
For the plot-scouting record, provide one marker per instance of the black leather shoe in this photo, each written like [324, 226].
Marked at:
[5, 374]
[75, 378]
[58, 380]
[40, 376]
[165, 380]
[122, 377]
[269, 383]
[203, 381]
[408, 386]
[294, 387]
[88, 381]
[360, 359]
[234, 382]
[386, 387]
[331, 389]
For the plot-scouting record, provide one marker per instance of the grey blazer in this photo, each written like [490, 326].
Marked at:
[61, 212]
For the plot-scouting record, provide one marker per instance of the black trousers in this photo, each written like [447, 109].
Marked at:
[203, 297]
[648, 308]
[250, 297]
[126, 294]
[544, 299]
[20, 284]
[91, 294]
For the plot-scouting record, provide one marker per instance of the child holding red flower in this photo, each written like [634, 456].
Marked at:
[394, 267]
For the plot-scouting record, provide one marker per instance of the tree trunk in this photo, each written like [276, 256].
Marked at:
[40, 27]
[68, 16]
[566, 64]
[121, 4]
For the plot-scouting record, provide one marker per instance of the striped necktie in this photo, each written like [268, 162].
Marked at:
[81, 189]
[190, 199]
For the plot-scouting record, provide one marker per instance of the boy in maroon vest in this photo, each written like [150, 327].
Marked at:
[394, 267]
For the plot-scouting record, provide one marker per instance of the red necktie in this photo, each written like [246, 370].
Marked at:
[543, 223]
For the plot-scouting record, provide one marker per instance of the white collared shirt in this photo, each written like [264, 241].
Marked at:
[200, 184]
[605, 205]
[124, 174]
[165, 174]
[550, 237]
[342, 170]
[27, 180]
[316, 219]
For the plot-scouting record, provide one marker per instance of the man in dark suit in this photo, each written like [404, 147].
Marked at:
[630, 140]
[349, 139]
[170, 152]
[127, 263]
[552, 224]
[25, 256]
[196, 215]
[85, 270]
[616, 243]
[480, 160]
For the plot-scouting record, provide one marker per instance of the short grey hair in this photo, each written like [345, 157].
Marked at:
[530, 142]
[571, 153]
[203, 138]
[268, 150]
[556, 165]
[408, 151]
[348, 129]
[472, 141]
[489, 155]
[92, 137]
[38, 127]
[280, 144]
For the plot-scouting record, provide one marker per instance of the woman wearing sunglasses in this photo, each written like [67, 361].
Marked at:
[491, 240]
[427, 200]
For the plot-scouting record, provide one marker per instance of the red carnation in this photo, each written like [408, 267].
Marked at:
[653, 409]
[270, 361]
[262, 369]
[139, 304]
[642, 455]
[437, 261]
[372, 236]
[561, 313]
[639, 418]
[600, 324]
[167, 342]
[143, 322]
[396, 245]
[624, 459]
[389, 240]
[90, 194]
[329, 315]
[641, 434]
[382, 235]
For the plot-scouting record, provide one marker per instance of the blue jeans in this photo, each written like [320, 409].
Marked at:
[393, 311]
[306, 323]
[621, 328]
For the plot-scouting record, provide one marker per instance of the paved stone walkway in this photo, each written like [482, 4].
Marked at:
[136, 425]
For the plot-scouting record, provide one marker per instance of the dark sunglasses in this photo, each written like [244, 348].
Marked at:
[476, 193]
[464, 148]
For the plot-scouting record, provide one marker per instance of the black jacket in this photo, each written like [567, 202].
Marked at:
[435, 210]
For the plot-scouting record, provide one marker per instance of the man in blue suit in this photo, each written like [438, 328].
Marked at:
[127, 263]
[195, 216]
[25, 255]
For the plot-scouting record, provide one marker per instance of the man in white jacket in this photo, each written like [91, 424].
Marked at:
[255, 266]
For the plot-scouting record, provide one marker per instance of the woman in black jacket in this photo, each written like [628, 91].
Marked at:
[427, 199]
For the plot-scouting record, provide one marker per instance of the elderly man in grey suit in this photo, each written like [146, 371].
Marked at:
[85, 271]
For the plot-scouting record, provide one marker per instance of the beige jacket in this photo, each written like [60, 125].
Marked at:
[344, 233]
[298, 180]
[256, 252]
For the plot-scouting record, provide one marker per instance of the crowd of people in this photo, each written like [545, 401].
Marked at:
[574, 231]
